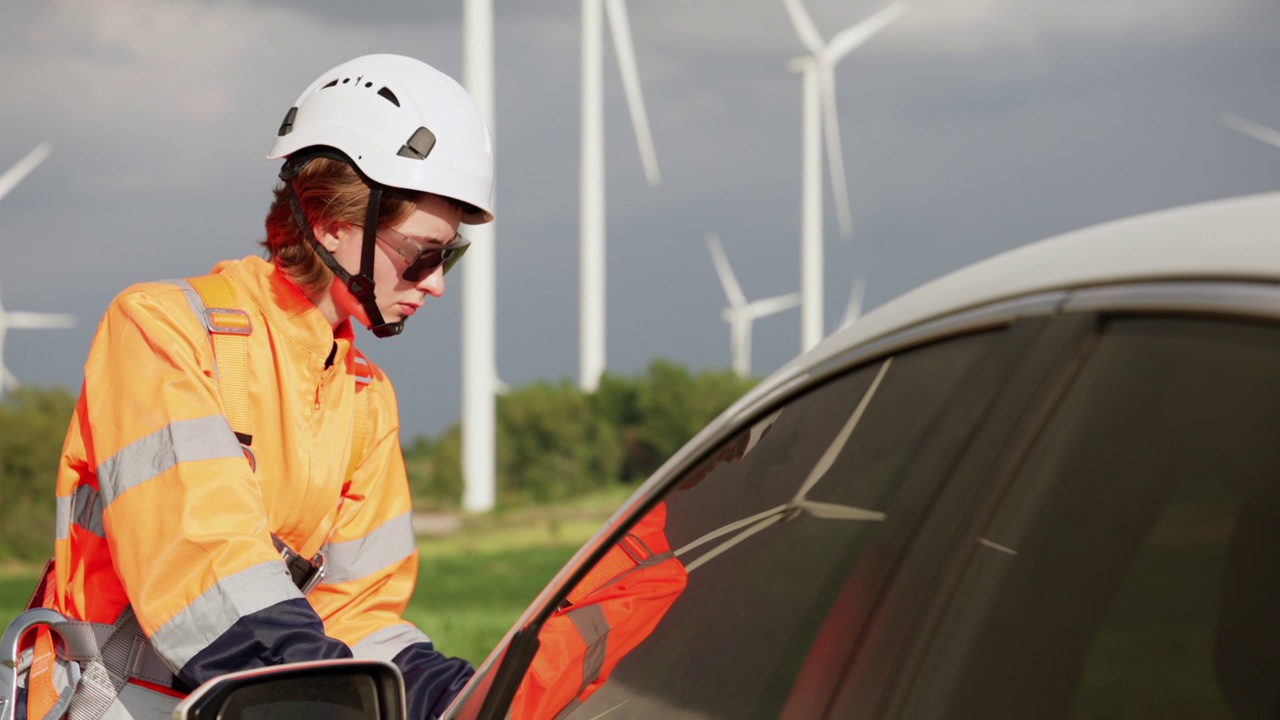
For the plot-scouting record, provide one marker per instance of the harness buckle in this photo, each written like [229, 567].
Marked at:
[306, 574]
[229, 321]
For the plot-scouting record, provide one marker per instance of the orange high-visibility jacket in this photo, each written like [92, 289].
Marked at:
[158, 509]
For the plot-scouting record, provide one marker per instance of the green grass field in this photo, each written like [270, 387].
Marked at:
[472, 584]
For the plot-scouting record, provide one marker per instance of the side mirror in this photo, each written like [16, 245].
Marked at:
[324, 690]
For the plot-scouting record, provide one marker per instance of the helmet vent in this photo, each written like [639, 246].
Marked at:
[330, 84]
[286, 126]
[390, 96]
[419, 144]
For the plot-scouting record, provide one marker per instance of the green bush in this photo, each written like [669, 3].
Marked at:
[33, 423]
[555, 442]
[434, 468]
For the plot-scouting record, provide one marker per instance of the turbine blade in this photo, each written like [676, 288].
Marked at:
[732, 290]
[831, 511]
[804, 26]
[620, 29]
[835, 152]
[853, 310]
[15, 174]
[849, 39]
[769, 306]
[1252, 129]
[38, 320]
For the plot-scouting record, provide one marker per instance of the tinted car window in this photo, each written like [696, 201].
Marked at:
[1130, 570]
[774, 536]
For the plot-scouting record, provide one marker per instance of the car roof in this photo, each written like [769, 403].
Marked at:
[1235, 238]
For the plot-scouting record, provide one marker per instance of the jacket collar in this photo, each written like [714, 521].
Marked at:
[284, 306]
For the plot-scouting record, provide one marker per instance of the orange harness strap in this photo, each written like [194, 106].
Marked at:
[229, 329]
[42, 692]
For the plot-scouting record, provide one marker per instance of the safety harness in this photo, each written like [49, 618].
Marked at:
[83, 674]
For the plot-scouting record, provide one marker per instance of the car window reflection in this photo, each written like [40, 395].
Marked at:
[711, 606]
[799, 503]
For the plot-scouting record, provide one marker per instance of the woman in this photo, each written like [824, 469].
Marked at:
[228, 430]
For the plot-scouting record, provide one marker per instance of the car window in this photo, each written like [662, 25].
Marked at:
[713, 605]
[1130, 570]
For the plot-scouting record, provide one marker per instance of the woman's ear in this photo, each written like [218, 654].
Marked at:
[330, 237]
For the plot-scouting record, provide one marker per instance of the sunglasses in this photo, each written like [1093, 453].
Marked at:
[424, 258]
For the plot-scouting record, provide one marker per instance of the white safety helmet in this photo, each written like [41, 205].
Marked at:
[403, 123]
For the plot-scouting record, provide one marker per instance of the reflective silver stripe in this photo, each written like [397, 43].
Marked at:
[84, 508]
[384, 546]
[220, 607]
[194, 301]
[203, 438]
[594, 629]
[386, 643]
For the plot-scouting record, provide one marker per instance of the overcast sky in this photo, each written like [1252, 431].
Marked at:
[970, 127]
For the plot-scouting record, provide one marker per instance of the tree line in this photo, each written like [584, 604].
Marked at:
[553, 442]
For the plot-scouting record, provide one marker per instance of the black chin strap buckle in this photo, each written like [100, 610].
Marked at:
[361, 287]
[383, 330]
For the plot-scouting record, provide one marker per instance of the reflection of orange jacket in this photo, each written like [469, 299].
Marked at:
[158, 509]
[607, 615]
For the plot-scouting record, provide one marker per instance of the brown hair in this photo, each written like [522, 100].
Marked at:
[331, 193]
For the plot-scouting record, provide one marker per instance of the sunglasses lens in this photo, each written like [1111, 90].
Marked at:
[428, 260]
[425, 264]
[451, 257]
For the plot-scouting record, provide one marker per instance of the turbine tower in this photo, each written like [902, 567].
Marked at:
[591, 218]
[740, 313]
[818, 68]
[25, 320]
[479, 364]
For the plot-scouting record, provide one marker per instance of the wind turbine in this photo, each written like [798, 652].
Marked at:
[1252, 129]
[740, 313]
[24, 320]
[592, 177]
[818, 68]
[13, 320]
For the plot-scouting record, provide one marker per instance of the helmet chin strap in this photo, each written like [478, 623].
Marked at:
[360, 286]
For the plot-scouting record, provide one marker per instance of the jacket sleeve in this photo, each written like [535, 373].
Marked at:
[182, 514]
[372, 567]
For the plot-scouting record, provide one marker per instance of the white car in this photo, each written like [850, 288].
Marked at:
[1044, 486]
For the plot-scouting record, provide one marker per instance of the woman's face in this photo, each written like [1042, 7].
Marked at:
[433, 222]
